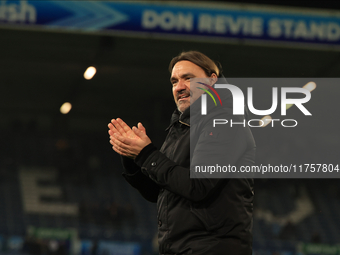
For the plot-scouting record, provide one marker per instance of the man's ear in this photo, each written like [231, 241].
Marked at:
[213, 79]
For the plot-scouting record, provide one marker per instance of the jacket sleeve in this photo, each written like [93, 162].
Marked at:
[133, 175]
[222, 145]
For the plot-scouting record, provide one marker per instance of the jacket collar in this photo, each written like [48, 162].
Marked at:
[178, 116]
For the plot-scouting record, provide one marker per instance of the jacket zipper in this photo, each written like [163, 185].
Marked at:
[184, 123]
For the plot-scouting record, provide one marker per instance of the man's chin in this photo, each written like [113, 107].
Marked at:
[183, 106]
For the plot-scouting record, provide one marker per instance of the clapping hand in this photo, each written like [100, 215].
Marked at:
[127, 141]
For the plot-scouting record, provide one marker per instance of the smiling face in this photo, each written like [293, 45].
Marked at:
[180, 79]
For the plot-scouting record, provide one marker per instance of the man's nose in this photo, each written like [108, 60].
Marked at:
[181, 85]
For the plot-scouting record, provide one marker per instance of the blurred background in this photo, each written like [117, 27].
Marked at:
[69, 67]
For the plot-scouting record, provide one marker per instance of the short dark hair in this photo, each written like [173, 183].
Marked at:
[198, 58]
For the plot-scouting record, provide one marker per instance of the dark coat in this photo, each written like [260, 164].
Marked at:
[198, 216]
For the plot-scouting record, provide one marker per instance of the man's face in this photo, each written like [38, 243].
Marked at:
[180, 79]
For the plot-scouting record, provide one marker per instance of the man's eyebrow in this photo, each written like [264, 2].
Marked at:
[186, 75]
[173, 79]
[183, 76]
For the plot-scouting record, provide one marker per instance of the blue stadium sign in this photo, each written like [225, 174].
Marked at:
[176, 20]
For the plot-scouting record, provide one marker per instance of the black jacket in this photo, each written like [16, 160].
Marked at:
[198, 216]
